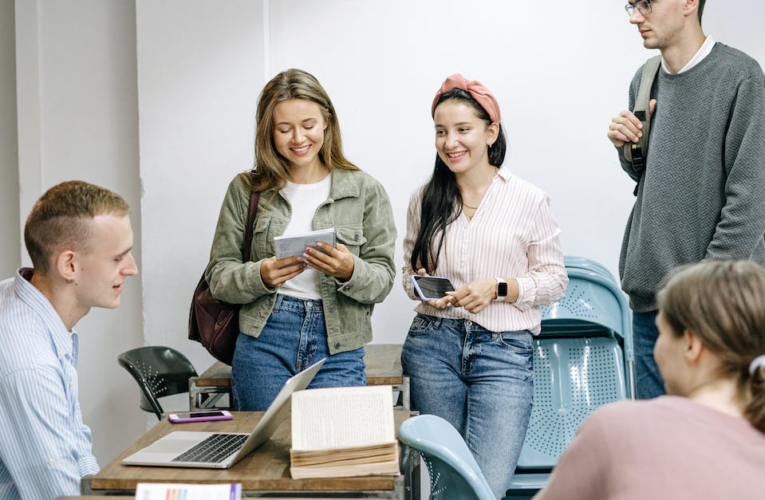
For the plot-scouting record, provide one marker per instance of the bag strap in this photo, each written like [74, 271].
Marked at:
[252, 213]
[636, 152]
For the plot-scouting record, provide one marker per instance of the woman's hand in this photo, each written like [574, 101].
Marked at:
[275, 272]
[336, 262]
[474, 296]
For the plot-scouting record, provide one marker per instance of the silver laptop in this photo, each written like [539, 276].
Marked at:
[214, 450]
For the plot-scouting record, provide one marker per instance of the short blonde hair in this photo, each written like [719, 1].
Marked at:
[723, 304]
[60, 219]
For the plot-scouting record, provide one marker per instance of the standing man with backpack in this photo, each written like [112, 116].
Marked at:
[700, 173]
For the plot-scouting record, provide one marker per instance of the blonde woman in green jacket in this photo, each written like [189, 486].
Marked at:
[298, 310]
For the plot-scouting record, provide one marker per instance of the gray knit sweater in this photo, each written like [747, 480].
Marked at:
[703, 192]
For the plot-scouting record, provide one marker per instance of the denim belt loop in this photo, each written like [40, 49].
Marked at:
[278, 303]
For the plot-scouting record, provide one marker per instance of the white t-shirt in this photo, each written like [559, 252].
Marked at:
[305, 199]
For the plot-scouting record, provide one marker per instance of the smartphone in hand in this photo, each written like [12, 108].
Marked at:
[199, 416]
[431, 287]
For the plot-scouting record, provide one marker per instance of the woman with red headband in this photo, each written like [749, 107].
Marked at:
[469, 354]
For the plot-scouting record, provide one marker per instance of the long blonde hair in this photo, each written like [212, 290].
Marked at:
[273, 169]
[723, 304]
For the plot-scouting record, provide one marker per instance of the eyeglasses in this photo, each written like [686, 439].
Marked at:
[642, 6]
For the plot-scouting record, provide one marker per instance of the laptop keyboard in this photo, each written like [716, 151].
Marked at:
[214, 449]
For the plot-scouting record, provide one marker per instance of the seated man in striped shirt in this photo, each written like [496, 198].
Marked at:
[79, 239]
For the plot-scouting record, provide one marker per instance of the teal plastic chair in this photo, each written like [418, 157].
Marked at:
[454, 473]
[572, 262]
[583, 359]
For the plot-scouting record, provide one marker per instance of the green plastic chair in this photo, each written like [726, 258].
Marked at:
[160, 371]
[454, 473]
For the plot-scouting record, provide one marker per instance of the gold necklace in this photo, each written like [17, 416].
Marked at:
[468, 206]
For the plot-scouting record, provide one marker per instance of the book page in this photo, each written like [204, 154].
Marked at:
[342, 418]
[290, 246]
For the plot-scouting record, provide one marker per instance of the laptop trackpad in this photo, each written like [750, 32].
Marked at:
[176, 443]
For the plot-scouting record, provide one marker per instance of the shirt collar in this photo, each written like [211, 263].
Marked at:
[504, 173]
[703, 52]
[63, 339]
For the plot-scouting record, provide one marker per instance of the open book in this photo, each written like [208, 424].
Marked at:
[343, 432]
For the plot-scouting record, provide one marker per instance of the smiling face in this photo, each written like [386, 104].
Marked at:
[662, 27]
[102, 268]
[462, 138]
[299, 132]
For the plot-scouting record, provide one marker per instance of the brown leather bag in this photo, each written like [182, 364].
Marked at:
[213, 323]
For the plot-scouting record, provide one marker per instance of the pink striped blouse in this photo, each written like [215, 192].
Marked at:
[512, 235]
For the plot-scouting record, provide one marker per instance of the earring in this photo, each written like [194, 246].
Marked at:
[70, 281]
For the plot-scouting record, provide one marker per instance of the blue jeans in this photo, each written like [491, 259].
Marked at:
[479, 381]
[294, 337]
[648, 381]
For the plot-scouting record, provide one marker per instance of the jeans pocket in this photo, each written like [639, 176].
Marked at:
[421, 325]
[516, 342]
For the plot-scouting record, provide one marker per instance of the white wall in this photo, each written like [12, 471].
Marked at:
[200, 67]
[79, 56]
[10, 244]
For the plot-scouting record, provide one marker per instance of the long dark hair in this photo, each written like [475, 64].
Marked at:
[441, 199]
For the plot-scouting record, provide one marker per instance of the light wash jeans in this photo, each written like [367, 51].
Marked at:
[648, 380]
[479, 381]
[294, 338]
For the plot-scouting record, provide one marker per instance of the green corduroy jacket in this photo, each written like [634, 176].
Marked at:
[359, 210]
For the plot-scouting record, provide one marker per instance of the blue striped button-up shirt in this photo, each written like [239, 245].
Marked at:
[45, 448]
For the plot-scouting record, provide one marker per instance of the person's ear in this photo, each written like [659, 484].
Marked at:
[691, 7]
[493, 132]
[66, 266]
[692, 347]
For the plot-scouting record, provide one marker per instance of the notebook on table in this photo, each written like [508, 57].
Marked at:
[221, 450]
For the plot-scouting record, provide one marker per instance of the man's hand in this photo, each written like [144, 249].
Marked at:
[336, 262]
[626, 127]
[275, 272]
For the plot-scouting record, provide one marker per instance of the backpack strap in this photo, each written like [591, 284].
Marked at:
[252, 213]
[635, 153]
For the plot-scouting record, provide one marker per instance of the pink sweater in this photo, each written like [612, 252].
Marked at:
[665, 448]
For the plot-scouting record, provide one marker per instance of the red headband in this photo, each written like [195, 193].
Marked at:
[480, 93]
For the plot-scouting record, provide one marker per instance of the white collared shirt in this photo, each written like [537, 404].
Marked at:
[703, 52]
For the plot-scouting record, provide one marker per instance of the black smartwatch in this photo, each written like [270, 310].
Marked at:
[501, 289]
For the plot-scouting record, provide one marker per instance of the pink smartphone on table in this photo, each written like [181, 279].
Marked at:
[199, 416]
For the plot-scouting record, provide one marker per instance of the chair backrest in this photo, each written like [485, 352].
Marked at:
[572, 378]
[454, 473]
[572, 262]
[160, 371]
[593, 306]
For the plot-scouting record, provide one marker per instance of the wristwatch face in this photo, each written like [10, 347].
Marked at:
[501, 289]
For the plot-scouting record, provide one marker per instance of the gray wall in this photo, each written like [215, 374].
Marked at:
[10, 243]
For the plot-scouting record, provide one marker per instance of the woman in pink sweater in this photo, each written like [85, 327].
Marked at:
[706, 439]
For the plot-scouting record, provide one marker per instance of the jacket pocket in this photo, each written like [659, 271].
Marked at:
[352, 237]
[261, 239]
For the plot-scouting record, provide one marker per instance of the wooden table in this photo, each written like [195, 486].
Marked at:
[383, 367]
[264, 472]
